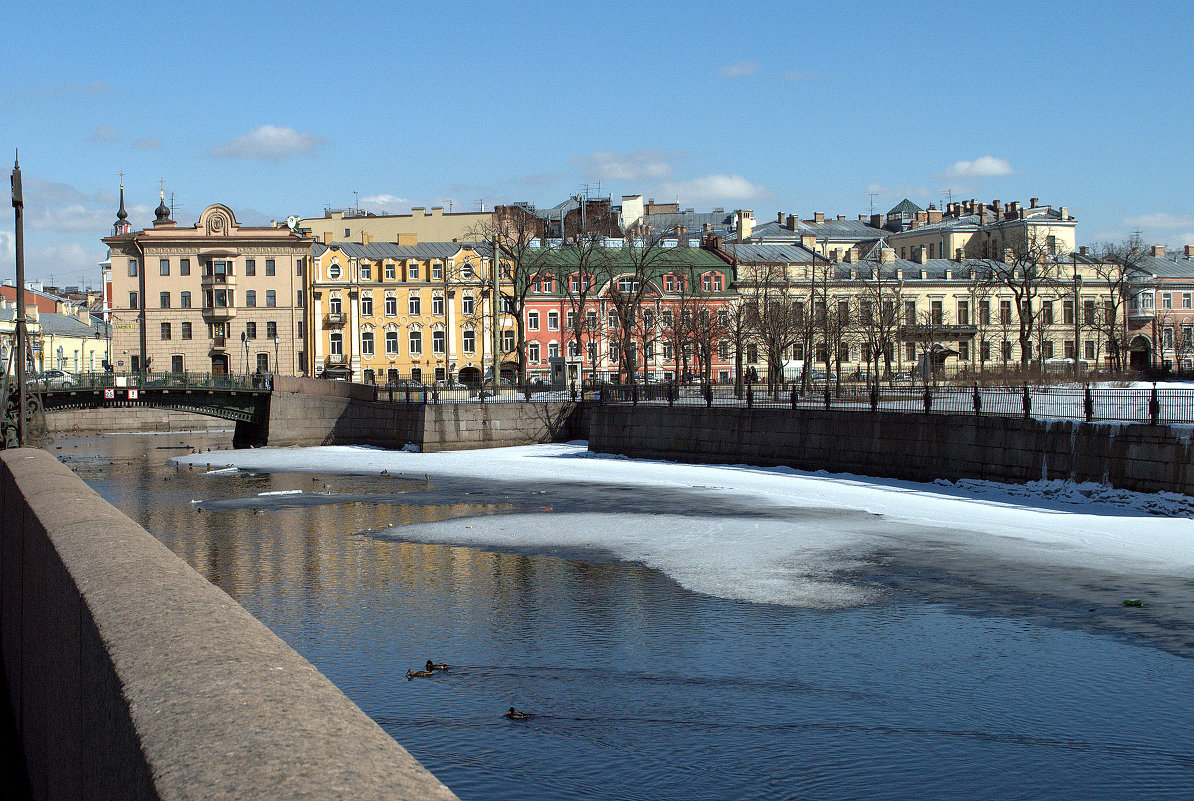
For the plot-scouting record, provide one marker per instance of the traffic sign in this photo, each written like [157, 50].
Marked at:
[132, 394]
[109, 394]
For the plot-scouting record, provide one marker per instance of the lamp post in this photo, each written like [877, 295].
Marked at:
[244, 342]
[277, 341]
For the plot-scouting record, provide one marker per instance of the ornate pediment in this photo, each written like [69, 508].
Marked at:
[217, 220]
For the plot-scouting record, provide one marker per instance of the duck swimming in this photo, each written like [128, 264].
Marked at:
[436, 665]
[514, 714]
[418, 674]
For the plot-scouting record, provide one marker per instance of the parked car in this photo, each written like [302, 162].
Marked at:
[53, 379]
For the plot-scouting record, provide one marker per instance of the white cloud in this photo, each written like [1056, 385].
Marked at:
[383, 200]
[147, 143]
[63, 260]
[268, 143]
[641, 165]
[8, 248]
[982, 167]
[104, 134]
[72, 217]
[739, 70]
[1160, 220]
[711, 188]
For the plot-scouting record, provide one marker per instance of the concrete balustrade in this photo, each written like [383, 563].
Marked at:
[132, 677]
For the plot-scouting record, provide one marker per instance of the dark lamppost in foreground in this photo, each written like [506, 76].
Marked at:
[18, 205]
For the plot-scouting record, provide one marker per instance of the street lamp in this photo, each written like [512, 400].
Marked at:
[277, 341]
[244, 342]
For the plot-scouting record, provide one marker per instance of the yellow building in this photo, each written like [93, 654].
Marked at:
[354, 225]
[380, 312]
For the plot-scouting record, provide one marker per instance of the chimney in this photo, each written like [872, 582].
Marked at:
[995, 204]
[920, 254]
[746, 224]
[1157, 250]
[819, 216]
[366, 238]
[934, 215]
[1032, 201]
[1065, 213]
[1007, 256]
[958, 254]
[779, 217]
[876, 220]
[852, 254]
[834, 254]
[706, 228]
[1023, 213]
[949, 274]
[1083, 250]
[886, 256]
[681, 239]
[841, 217]
[1189, 251]
[327, 237]
[808, 241]
[853, 274]
[862, 218]
[792, 222]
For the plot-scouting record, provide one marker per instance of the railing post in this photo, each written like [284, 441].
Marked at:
[875, 396]
[634, 394]
[928, 400]
[795, 397]
[573, 392]
[750, 396]
[1027, 403]
[1088, 404]
[827, 395]
[671, 393]
[978, 401]
[708, 394]
[1154, 406]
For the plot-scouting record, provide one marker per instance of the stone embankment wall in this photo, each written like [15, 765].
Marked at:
[132, 677]
[313, 412]
[133, 418]
[920, 447]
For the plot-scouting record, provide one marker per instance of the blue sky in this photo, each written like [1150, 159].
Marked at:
[279, 109]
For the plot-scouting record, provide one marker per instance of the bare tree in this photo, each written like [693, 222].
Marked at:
[1116, 267]
[1026, 270]
[772, 315]
[628, 274]
[879, 297]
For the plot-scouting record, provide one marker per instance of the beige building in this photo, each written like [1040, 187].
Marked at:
[382, 311]
[213, 297]
[354, 225]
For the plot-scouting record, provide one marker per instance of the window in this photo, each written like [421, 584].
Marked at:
[184, 300]
[533, 321]
[1068, 348]
[269, 266]
[176, 363]
[336, 344]
[334, 271]
[437, 342]
[467, 304]
[250, 330]
[984, 351]
[391, 343]
[507, 342]
[1166, 300]
[669, 283]
[366, 271]
[163, 266]
[507, 304]
[1187, 336]
[250, 298]
[414, 304]
[1005, 315]
[628, 286]
[553, 350]
[963, 312]
[391, 306]
[1185, 300]
[1046, 312]
[263, 362]
[299, 329]
[412, 271]
[250, 267]
[611, 319]
[963, 351]
[723, 349]
[1167, 337]
[271, 329]
[165, 330]
[221, 298]
[437, 305]
[132, 266]
[723, 318]
[271, 297]
[1088, 312]
[469, 340]
[390, 272]
[437, 271]
[366, 305]
[533, 352]
[1006, 350]
[416, 341]
[347, 233]
[184, 266]
[843, 312]
[133, 301]
[221, 268]
[186, 330]
[752, 353]
[1088, 349]
[573, 348]
[1067, 312]
[984, 312]
[909, 312]
[1047, 349]
[298, 267]
[164, 300]
[334, 306]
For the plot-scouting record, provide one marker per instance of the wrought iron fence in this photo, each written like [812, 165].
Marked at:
[1068, 401]
[54, 381]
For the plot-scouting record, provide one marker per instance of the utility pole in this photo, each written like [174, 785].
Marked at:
[497, 310]
[18, 205]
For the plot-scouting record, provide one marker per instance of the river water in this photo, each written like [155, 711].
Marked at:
[947, 684]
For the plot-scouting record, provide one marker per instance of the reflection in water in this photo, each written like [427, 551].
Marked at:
[642, 689]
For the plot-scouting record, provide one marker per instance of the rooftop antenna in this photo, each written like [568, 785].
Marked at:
[356, 203]
[872, 196]
[481, 204]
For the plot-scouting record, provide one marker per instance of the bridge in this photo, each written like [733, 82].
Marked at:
[239, 398]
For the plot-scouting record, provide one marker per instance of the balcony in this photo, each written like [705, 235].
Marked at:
[1139, 315]
[336, 359]
[936, 332]
[334, 319]
[210, 281]
[218, 343]
[217, 313]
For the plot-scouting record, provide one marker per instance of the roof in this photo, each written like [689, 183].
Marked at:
[837, 230]
[1175, 266]
[376, 251]
[664, 258]
[905, 206]
[67, 325]
[770, 254]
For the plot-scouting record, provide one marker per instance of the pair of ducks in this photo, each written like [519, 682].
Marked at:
[429, 670]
